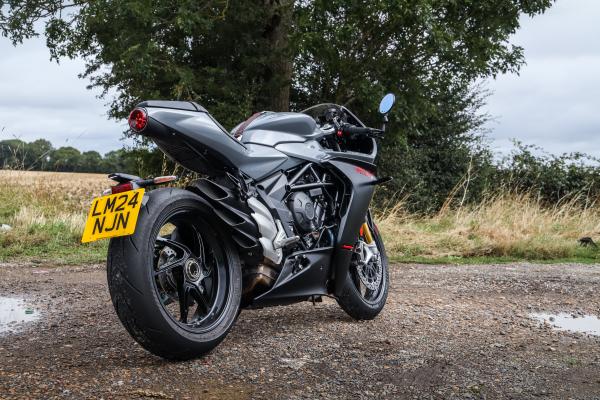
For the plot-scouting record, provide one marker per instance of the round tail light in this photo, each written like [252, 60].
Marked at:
[138, 119]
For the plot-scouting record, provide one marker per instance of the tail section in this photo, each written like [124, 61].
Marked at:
[188, 134]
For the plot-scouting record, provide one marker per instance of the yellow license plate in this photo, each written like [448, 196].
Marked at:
[112, 216]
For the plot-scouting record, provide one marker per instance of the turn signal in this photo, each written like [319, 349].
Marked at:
[138, 119]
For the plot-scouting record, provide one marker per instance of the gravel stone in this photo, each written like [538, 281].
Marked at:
[447, 332]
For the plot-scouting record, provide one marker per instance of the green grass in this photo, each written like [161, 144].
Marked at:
[52, 242]
[476, 260]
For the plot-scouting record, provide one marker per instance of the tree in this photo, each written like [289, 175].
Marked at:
[236, 57]
[90, 161]
[431, 54]
[226, 54]
[114, 161]
[38, 154]
[65, 159]
[12, 154]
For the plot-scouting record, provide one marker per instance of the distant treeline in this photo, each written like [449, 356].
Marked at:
[40, 155]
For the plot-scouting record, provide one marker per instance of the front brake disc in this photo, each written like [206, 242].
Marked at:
[370, 273]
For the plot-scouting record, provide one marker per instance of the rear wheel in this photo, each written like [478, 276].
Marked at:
[366, 285]
[175, 283]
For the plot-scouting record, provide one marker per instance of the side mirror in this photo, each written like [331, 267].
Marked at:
[387, 103]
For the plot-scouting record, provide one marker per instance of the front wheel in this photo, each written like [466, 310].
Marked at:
[366, 285]
[176, 283]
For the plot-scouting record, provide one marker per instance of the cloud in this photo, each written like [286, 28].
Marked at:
[43, 99]
[554, 101]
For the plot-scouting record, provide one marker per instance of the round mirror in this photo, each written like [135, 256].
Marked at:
[387, 103]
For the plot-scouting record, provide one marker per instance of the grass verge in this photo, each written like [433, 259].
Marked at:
[47, 213]
[507, 227]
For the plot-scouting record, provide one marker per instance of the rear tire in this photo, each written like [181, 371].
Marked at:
[132, 280]
[352, 301]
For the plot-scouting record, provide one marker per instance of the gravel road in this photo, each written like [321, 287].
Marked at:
[446, 332]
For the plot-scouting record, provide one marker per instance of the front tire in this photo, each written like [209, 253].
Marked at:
[360, 302]
[176, 292]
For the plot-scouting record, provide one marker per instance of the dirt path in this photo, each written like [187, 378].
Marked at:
[446, 332]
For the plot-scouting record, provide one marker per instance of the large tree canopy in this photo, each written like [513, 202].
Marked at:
[236, 57]
[222, 54]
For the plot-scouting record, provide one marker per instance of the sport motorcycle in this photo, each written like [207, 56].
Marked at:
[280, 215]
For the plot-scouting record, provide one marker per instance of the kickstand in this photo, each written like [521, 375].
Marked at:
[316, 299]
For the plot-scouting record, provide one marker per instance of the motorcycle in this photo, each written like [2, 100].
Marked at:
[281, 216]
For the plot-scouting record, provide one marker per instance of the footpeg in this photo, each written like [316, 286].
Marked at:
[283, 243]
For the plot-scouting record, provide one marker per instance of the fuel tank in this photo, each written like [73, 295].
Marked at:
[271, 129]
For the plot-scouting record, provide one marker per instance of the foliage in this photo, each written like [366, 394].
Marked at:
[553, 178]
[430, 53]
[236, 57]
[217, 51]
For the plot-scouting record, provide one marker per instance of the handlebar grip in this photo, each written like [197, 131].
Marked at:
[355, 130]
[359, 130]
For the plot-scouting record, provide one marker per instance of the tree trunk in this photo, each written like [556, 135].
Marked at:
[279, 72]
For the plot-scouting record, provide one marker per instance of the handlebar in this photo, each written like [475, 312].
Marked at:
[353, 130]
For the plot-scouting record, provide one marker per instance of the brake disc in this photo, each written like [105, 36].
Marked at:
[368, 267]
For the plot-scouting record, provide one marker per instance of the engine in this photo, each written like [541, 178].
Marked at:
[306, 211]
[309, 209]
[310, 195]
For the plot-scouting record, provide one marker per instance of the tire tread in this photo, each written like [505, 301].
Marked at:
[122, 290]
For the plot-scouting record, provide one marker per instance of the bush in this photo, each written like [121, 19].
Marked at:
[451, 175]
[551, 178]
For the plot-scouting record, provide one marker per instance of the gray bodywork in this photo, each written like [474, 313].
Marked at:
[271, 143]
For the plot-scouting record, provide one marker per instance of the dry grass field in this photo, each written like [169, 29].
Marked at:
[47, 212]
[503, 227]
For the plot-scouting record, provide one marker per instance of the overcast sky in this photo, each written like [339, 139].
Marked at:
[553, 103]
